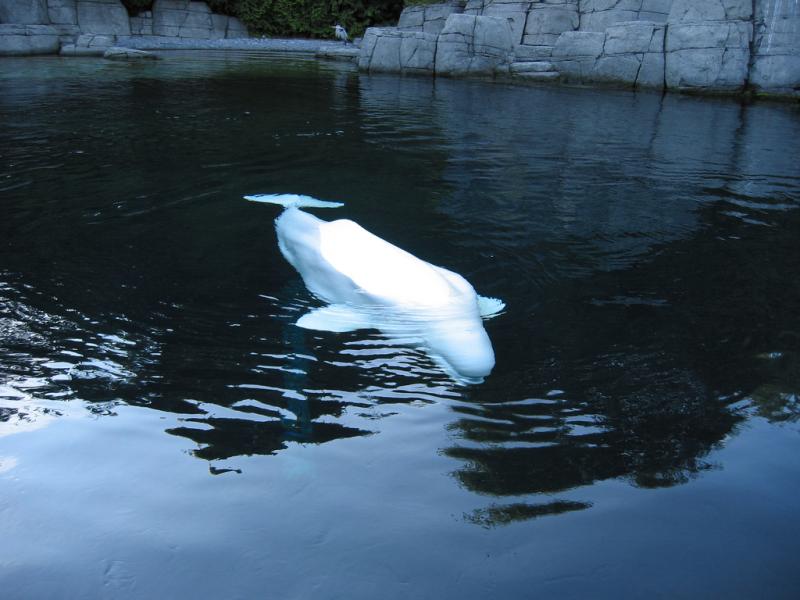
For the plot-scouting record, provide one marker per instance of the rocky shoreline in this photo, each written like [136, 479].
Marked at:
[701, 46]
[734, 47]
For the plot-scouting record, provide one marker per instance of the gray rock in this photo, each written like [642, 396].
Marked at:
[67, 33]
[776, 56]
[394, 50]
[516, 13]
[696, 11]
[182, 18]
[190, 20]
[24, 12]
[219, 26]
[118, 53]
[474, 45]
[571, 44]
[428, 18]
[597, 15]
[412, 18]
[651, 72]
[436, 16]
[539, 76]
[236, 29]
[62, 12]
[537, 66]
[635, 36]
[73, 50]
[344, 53]
[141, 26]
[628, 54]
[524, 52]
[547, 21]
[90, 40]
[22, 40]
[707, 69]
[103, 16]
[621, 69]
[713, 55]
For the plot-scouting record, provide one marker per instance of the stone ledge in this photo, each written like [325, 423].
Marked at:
[119, 53]
[23, 40]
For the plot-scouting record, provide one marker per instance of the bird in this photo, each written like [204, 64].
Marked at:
[340, 33]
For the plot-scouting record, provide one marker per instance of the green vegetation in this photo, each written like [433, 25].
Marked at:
[136, 6]
[299, 18]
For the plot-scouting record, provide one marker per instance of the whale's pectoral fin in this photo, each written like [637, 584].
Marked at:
[490, 307]
[336, 317]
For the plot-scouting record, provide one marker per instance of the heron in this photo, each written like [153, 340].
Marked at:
[340, 33]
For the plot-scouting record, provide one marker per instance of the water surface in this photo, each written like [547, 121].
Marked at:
[166, 430]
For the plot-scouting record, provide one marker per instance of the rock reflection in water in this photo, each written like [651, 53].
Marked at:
[659, 370]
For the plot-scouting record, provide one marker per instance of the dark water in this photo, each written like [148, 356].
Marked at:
[166, 431]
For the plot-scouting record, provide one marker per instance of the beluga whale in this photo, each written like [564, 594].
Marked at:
[369, 283]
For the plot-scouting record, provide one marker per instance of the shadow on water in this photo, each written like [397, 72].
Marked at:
[649, 270]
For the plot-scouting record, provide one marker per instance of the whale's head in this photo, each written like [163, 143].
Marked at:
[461, 346]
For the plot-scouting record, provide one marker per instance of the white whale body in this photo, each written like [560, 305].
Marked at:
[369, 283]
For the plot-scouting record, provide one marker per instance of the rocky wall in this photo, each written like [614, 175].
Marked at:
[88, 26]
[429, 18]
[726, 46]
[466, 45]
[630, 53]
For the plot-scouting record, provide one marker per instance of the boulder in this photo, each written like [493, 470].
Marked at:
[546, 22]
[192, 20]
[142, 24]
[474, 45]
[24, 12]
[776, 56]
[575, 54]
[22, 40]
[62, 12]
[579, 44]
[697, 11]
[598, 15]
[394, 50]
[107, 17]
[74, 50]
[429, 18]
[524, 52]
[91, 40]
[633, 54]
[516, 13]
[182, 18]
[708, 45]
[627, 54]
[236, 29]
[656, 11]
[344, 53]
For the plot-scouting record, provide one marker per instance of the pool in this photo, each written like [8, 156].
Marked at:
[166, 430]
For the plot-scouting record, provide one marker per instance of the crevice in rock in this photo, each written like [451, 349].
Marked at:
[751, 60]
[639, 70]
[664, 53]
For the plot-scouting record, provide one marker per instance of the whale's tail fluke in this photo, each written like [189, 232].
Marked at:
[289, 200]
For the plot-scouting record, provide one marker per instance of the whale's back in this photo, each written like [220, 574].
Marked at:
[381, 269]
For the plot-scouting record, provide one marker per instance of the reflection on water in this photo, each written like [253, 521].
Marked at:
[646, 248]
